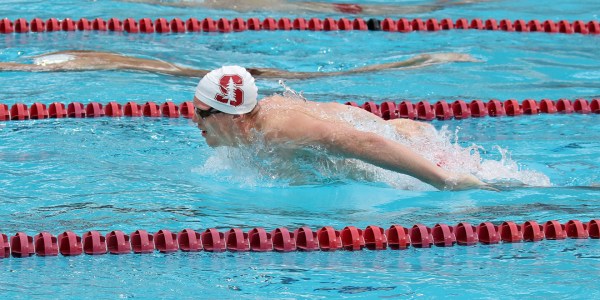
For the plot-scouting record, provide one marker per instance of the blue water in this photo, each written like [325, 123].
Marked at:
[128, 174]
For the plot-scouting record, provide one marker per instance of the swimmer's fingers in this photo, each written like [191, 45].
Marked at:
[459, 182]
[504, 186]
[488, 187]
[463, 57]
[449, 57]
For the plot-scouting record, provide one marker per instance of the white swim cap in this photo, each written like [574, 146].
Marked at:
[230, 89]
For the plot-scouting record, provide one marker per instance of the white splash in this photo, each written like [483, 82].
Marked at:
[290, 93]
[52, 59]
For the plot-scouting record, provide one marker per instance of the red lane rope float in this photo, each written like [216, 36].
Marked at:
[423, 110]
[460, 109]
[20, 111]
[350, 238]
[176, 25]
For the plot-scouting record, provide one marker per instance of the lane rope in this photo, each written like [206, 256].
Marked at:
[223, 25]
[422, 110]
[281, 239]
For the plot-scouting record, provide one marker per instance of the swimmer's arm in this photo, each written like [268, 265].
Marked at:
[300, 6]
[384, 153]
[364, 9]
[418, 61]
[9, 66]
[374, 149]
[373, 9]
[97, 60]
[94, 60]
[168, 69]
[151, 65]
[172, 4]
[391, 155]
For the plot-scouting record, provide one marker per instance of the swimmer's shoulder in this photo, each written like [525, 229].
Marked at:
[273, 99]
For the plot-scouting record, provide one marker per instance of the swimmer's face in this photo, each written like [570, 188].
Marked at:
[215, 127]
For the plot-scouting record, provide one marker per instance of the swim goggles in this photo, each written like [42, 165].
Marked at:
[203, 114]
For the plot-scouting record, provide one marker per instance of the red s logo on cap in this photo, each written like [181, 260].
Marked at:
[231, 93]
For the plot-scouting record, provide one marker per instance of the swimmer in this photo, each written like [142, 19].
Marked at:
[228, 113]
[81, 60]
[307, 7]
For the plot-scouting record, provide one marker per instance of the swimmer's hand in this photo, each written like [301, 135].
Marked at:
[466, 182]
[449, 57]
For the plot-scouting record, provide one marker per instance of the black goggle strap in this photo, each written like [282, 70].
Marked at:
[205, 113]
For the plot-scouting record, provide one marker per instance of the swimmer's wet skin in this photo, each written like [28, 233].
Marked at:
[309, 6]
[82, 60]
[52, 59]
[231, 90]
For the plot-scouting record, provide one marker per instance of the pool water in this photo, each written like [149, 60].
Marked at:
[142, 173]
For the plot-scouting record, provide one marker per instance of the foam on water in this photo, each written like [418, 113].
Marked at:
[443, 146]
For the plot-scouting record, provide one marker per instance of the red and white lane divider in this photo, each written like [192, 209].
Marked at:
[387, 110]
[176, 25]
[20, 111]
[396, 237]
[460, 109]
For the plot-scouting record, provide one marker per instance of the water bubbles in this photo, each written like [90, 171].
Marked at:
[290, 93]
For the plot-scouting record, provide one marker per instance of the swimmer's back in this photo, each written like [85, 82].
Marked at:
[285, 108]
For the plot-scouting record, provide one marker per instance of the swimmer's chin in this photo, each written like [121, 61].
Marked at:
[210, 140]
[212, 143]
[216, 142]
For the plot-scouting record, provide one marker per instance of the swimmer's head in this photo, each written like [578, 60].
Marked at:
[229, 89]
